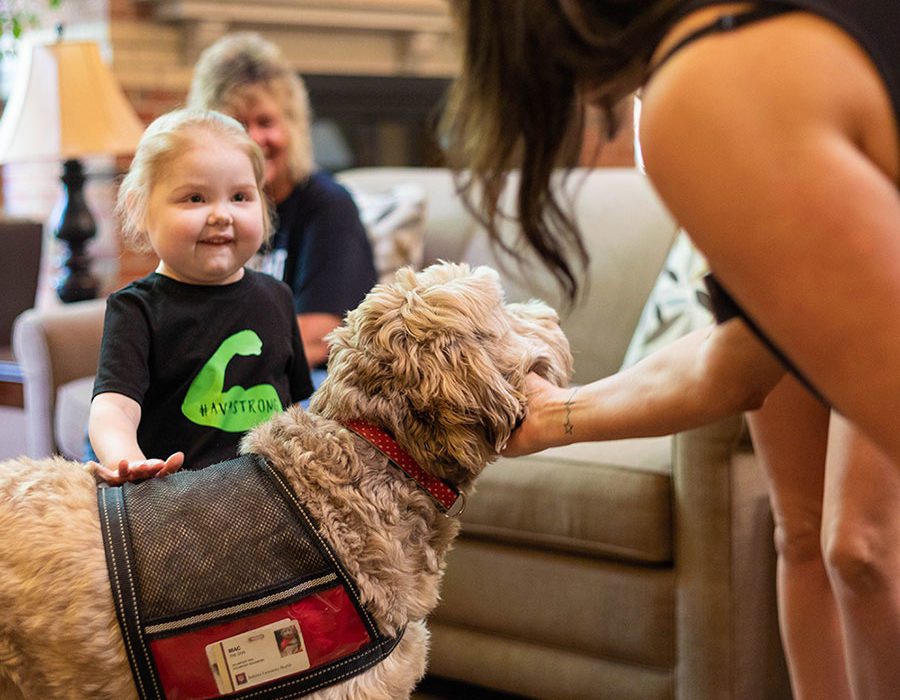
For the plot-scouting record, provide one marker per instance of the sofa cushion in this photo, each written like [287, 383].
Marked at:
[626, 229]
[611, 499]
[395, 221]
[448, 226]
[73, 405]
[600, 608]
[678, 304]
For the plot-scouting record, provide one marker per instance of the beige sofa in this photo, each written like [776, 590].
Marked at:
[629, 569]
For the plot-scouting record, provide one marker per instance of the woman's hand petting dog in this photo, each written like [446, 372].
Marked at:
[530, 435]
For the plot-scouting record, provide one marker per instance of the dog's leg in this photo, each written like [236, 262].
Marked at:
[9, 691]
[9, 661]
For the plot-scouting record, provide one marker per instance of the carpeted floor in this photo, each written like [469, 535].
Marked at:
[433, 688]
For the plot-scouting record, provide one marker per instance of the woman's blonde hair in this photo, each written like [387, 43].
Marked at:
[167, 137]
[238, 62]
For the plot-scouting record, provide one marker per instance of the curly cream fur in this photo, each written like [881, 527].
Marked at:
[435, 358]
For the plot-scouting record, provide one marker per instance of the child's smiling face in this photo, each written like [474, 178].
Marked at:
[205, 213]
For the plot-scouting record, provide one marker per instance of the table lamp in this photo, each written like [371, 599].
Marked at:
[65, 104]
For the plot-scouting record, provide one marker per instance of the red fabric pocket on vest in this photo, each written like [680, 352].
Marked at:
[330, 626]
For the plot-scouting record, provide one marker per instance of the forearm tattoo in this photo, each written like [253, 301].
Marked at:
[567, 426]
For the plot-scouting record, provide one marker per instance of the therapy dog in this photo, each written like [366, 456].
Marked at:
[435, 361]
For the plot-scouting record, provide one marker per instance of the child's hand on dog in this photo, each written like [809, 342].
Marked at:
[137, 470]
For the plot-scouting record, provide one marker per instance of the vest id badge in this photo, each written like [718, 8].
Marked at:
[258, 656]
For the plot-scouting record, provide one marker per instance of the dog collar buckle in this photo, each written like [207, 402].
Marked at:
[448, 499]
[457, 508]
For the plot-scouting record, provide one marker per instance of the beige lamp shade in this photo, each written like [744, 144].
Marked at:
[65, 103]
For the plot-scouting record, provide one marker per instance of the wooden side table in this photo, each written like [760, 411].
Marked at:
[10, 381]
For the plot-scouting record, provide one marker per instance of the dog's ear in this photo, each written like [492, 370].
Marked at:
[549, 354]
[457, 379]
[428, 357]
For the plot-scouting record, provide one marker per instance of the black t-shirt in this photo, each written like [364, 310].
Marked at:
[321, 249]
[206, 363]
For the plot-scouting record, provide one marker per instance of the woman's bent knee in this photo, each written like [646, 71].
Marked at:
[855, 561]
[798, 538]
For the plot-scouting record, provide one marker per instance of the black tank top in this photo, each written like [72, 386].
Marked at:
[874, 24]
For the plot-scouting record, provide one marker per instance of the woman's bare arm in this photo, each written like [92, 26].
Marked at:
[705, 376]
[313, 329]
[777, 149]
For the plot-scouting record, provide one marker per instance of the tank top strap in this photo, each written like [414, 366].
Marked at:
[724, 23]
[725, 308]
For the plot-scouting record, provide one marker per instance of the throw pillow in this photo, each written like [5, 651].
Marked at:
[678, 304]
[395, 221]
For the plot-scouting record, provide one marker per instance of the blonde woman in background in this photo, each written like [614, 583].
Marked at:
[320, 247]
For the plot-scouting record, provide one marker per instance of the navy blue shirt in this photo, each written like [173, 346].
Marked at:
[321, 249]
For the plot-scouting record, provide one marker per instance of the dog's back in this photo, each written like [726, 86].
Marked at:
[55, 602]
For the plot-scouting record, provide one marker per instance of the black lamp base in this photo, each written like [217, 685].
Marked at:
[76, 227]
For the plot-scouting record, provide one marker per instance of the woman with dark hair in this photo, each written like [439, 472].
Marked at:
[770, 129]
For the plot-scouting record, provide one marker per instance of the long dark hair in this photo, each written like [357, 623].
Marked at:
[528, 68]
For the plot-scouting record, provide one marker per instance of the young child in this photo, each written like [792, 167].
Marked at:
[202, 349]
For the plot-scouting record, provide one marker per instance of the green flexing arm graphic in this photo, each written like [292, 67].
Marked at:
[237, 409]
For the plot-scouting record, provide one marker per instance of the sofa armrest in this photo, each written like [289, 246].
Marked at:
[53, 347]
[728, 642]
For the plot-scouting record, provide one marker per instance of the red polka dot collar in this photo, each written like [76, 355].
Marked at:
[449, 500]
